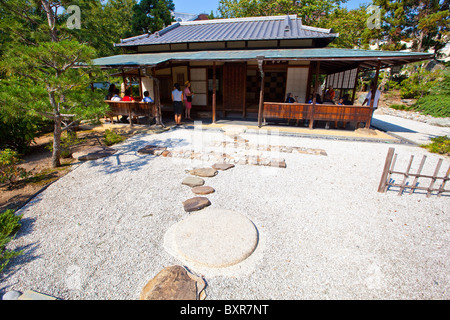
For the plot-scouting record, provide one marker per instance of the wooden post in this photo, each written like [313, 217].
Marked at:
[374, 91]
[316, 87]
[413, 186]
[261, 93]
[387, 166]
[157, 98]
[406, 175]
[433, 179]
[355, 85]
[214, 106]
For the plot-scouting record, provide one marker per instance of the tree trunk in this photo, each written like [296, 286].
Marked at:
[57, 130]
[56, 162]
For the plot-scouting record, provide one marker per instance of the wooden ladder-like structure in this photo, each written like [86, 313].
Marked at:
[388, 171]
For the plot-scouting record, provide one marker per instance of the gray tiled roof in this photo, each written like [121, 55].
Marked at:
[255, 28]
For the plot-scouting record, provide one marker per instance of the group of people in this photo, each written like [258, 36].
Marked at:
[178, 97]
[114, 95]
[344, 100]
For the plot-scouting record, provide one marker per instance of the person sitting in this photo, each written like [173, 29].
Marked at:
[147, 97]
[116, 96]
[330, 92]
[346, 100]
[327, 99]
[289, 98]
[127, 97]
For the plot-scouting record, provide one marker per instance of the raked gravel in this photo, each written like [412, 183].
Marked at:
[325, 232]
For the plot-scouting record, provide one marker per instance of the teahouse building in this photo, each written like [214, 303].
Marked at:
[246, 66]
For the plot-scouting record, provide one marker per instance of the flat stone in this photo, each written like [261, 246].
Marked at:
[11, 295]
[173, 283]
[94, 153]
[33, 295]
[215, 238]
[193, 181]
[203, 190]
[278, 163]
[152, 149]
[204, 172]
[195, 204]
[223, 166]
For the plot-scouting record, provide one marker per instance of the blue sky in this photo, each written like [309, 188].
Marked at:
[205, 6]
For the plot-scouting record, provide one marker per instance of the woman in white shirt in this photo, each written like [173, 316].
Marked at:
[177, 98]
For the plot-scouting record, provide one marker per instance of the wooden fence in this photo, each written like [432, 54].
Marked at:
[323, 112]
[132, 109]
[389, 170]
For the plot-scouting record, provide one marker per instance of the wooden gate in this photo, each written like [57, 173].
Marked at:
[234, 87]
[388, 171]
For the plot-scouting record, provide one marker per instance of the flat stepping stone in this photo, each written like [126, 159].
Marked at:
[152, 149]
[94, 153]
[203, 190]
[193, 181]
[174, 283]
[215, 238]
[204, 172]
[195, 204]
[223, 166]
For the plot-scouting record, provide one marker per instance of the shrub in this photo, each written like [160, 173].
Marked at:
[68, 140]
[111, 137]
[439, 145]
[10, 172]
[9, 225]
[399, 107]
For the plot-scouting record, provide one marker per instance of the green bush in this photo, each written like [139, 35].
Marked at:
[439, 145]
[10, 172]
[9, 225]
[400, 107]
[68, 140]
[111, 137]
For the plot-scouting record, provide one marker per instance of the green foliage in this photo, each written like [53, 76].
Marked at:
[111, 137]
[9, 225]
[68, 141]
[399, 107]
[9, 169]
[439, 145]
[437, 102]
[151, 15]
[419, 82]
[311, 11]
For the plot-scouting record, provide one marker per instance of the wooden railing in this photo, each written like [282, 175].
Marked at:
[132, 109]
[323, 112]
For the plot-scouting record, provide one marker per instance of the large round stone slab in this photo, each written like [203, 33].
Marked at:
[216, 238]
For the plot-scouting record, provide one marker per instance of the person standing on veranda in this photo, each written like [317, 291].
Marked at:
[188, 99]
[177, 98]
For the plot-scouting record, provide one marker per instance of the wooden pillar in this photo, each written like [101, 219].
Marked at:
[158, 115]
[316, 87]
[261, 93]
[141, 92]
[214, 105]
[355, 85]
[374, 90]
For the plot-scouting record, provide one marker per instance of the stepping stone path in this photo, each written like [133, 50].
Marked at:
[174, 283]
[203, 190]
[196, 203]
[94, 153]
[193, 181]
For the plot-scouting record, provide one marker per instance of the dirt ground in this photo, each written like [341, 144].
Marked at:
[38, 161]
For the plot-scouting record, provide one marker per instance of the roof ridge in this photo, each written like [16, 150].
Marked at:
[245, 19]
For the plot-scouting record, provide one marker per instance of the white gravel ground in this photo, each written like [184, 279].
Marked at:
[325, 232]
